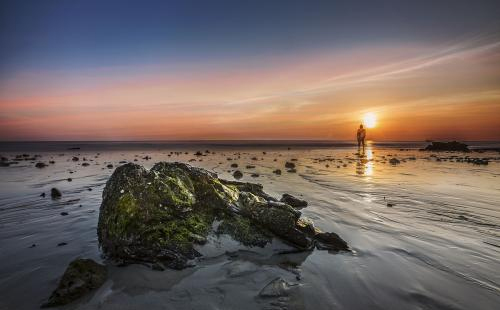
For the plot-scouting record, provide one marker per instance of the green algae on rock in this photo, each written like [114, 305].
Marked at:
[158, 216]
[81, 277]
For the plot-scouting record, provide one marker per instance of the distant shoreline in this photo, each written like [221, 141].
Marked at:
[12, 146]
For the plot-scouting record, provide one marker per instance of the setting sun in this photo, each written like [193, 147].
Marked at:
[370, 120]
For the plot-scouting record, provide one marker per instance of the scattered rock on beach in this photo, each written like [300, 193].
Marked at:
[293, 201]
[41, 165]
[394, 161]
[289, 165]
[330, 241]
[81, 277]
[55, 193]
[452, 146]
[75, 158]
[277, 171]
[235, 165]
[237, 174]
[109, 166]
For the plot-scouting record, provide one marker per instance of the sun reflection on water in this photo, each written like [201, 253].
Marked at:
[364, 164]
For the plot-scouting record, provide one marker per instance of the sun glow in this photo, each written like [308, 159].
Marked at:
[370, 120]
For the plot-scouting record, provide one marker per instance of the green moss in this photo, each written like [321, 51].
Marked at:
[124, 220]
[243, 230]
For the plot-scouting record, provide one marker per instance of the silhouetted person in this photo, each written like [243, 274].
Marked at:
[361, 137]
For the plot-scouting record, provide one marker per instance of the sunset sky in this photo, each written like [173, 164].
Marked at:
[163, 70]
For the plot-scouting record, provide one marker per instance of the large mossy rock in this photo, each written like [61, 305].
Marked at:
[81, 277]
[159, 215]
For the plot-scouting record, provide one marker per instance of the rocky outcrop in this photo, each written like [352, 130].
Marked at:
[81, 277]
[452, 146]
[159, 216]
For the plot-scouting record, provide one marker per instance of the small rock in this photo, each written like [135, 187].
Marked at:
[70, 179]
[277, 171]
[394, 161]
[42, 195]
[64, 213]
[40, 165]
[109, 166]
[75, 158]
[55, 193]
[289, 165]
[330, 241]
[293, 201]
[235, 165]
[81, 277]
[62, 244]
[237, 174]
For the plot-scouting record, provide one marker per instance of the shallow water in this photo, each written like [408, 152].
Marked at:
[425, 233]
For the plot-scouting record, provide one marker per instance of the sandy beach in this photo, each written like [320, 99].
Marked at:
[424, 233]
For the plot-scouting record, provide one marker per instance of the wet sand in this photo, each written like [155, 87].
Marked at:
[425, 233]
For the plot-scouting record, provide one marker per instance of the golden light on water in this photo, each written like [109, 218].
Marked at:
[370, 120]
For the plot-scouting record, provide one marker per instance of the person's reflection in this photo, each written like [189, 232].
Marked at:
[364, 163]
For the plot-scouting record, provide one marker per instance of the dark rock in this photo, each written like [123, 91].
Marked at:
[289, 165]
[62, 244]
[198, 153]
[235, 165]
[64, 213]
[85, 164]
[330, 241]
[277, 171]
[158, 216]
[394, 161]
[109, 166]
[81, 277]
[70, 179]
[40, 165]
[32, 246]
[250, 167]
[390, 204]
[237, 175]
[452, 146]
[75, 158]
[293, 201]
[254, 175]
[42, 195]
[55, 193]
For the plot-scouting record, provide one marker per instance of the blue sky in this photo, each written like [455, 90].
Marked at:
[107, 70]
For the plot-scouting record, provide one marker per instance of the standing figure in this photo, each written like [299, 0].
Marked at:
[361, 137]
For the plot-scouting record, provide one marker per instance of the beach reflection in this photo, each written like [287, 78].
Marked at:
[364, 162]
